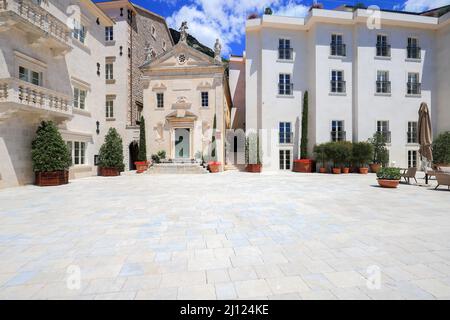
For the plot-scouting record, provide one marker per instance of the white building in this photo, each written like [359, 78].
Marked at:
[360, 80]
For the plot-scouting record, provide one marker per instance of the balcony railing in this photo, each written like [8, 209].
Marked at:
[338, 86]
[412, 137]
[286, 137]
[386, 135]
[414, 88]
[38, 17]
[338, 136]
[15, 93]
[414, 52]
[285, 53]
[383, 50]
[286, 89]
[338, 49]
[383, 87]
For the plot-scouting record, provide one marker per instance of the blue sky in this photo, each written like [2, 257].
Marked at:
[225, 19]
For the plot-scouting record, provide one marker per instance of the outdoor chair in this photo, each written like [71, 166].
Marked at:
[409, 174]
[443, 179]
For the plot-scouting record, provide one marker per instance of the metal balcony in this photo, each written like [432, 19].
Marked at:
[338, 86]
[414, 52]
[286, 138]
[338, 49]
[285, 53]
[41, 27]
[383, 50]
[414, 88]
[383, 87]
[338, 136]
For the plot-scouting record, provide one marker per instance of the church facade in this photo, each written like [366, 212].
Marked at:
[187, 103]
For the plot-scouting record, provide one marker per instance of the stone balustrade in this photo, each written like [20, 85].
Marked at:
[17, 93]
[38, 17]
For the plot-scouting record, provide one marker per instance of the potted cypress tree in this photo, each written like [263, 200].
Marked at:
[142, 163]
[319, 151]
[111, 155]
[50, 156]
[362, 154]
[214, 165]
[304, 164]
[380, 152]
[253, 153]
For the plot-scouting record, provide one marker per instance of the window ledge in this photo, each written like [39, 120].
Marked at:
[412, 144]
[285, 60]
[81, 112]
[413, 95]
[159, 109]
[339, 94]
[110, 43]
[413, 60]
[383, 58]
[113, 81]
[336, 57]
[285, 96]
[381, 94]
[286, 145]
[110, 119]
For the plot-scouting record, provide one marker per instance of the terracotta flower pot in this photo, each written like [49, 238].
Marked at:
[214, 167]
[375, 167]
[345, 170]
[337, 170]
[51, 179]
[391, 184]
[141, 166]
[303, 165]
[109, 172]
[363, 170]
[254, 168]
[323, 170]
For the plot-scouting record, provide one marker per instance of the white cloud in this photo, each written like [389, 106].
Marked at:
[423, 5]
[225, 19]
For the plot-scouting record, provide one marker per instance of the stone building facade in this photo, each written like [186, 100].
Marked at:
[137, 31]
[186, 91]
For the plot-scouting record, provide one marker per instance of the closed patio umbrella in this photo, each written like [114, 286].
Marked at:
[425, 133]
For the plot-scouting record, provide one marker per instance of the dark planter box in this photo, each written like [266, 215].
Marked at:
[254, 168]
[51, 179]
[109, 172]
[303, 165]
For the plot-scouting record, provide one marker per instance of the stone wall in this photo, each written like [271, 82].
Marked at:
[141, 35]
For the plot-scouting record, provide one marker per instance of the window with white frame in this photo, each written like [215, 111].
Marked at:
[109, 109]
[285, 130]
[337, 81]
[285, 87]
[77, 150]
[383, 84]
[383, 128]
[30, 76]
[337, 130]
[413, 49]
[383, 48]
[79, 98]
[109, 71]
[414, 85]
[79, 31]
[337, 46]
[285, 159]
[412, 132]
[109, 33]
[205, 99]
[160, 100]
[412, 158]
[285, 52]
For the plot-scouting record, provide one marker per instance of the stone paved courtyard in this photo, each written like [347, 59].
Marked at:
[225, 236]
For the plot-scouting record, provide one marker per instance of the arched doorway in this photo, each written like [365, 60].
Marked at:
[134, 151]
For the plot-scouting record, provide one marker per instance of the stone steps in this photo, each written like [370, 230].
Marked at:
[234, 167]
[177, 168]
